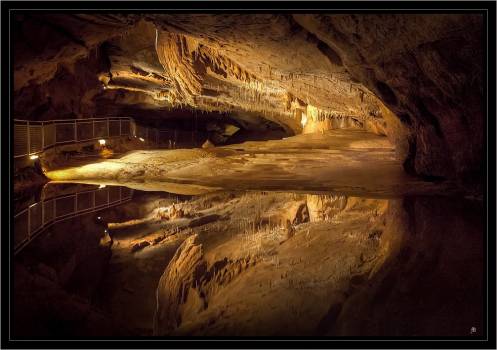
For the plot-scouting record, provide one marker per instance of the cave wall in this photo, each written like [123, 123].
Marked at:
[346, 266]
[439, 250]
[416, 78]
[430, 76]
[68, 94]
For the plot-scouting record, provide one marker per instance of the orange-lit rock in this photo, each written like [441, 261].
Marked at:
[426, 69]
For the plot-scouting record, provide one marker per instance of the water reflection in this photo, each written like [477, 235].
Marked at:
[58, 202]
[257, 263]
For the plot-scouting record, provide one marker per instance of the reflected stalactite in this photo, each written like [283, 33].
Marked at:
[319, 262]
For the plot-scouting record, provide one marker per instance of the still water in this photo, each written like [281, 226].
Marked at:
[109, 261]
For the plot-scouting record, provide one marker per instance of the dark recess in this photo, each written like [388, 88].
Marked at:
[330, 53]
[428, 118]
[405, 119]
[386, 93]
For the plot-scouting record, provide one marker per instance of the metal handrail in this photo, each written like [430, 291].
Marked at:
[43, 143]
[42, 133]
[44, 224]
[69, 120]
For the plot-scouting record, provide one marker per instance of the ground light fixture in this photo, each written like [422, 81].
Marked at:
[101, 186]
[142, 139]
[101, 142]
[33, 156]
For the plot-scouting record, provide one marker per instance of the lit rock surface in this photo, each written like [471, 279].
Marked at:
[349, 161]
[416, 78]
[334, 275]
[305, 218]
[257, 263]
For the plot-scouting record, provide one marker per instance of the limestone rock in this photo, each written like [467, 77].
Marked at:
[418, 79]
[139, 246]
[48, 272]
[175, 283]
[207, 144]
[203, 220]
[325, 207]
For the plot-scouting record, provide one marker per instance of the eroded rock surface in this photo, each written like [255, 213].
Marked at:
[350, 161]
[257, 263]
[336, 275]
[180, 275]
[416, 78]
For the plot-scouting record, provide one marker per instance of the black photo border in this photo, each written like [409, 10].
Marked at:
[486, 8]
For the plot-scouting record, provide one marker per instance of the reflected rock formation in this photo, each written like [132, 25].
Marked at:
[360, 266]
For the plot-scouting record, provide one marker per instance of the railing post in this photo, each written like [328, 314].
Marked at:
[42, 136]
[42, 213]
[29, 223]
[52, 137]
[29, 139]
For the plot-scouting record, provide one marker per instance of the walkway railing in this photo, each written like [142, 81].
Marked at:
[39, 216]
[167, 138]
[31, 137]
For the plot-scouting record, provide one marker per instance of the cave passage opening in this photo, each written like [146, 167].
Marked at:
[192, 128]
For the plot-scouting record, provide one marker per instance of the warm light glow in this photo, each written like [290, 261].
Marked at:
[97, 171]
[34, 156]
[99, 217]
[101, 186]
[304, 119]
[106, 152]
[101, 142]
[142, 139]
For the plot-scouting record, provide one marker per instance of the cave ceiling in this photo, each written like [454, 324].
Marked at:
[416, 78]
[265, 65]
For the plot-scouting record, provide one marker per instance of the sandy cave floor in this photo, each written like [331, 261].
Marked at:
[346, 161]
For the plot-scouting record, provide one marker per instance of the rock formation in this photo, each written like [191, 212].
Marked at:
[415, 78]
[375, 267]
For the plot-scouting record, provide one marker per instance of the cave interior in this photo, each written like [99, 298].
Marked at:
[248, 174]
